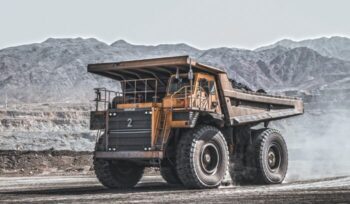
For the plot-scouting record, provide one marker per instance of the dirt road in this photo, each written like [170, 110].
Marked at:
[152, 189]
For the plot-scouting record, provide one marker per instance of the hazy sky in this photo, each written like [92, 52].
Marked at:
[200, 23]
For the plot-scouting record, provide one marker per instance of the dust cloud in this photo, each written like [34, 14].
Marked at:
[318, 141]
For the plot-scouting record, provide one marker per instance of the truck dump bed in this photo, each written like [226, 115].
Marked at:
[249, 107]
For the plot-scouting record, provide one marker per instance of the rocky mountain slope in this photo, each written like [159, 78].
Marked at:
[55, 70]
[338, 47]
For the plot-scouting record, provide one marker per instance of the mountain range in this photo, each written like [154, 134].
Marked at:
[338, 47]
[55, 70]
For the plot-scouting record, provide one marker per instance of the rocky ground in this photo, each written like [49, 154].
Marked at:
[152, 189]
[41, 139]
[28, 163]
[41, 127]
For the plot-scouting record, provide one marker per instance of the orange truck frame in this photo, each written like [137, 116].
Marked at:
[189, 120]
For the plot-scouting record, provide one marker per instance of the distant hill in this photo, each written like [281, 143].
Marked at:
[55, 70]
[338, 47]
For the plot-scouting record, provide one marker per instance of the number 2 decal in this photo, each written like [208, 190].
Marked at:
[129, 120]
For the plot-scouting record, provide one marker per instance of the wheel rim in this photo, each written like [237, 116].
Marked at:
[209, 158]
[274, 157]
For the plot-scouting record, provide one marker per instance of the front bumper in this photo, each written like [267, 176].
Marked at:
[130, 155]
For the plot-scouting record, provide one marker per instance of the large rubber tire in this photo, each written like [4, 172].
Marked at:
[116, 173]
[267, 157]
[169, 174]
[202, 157]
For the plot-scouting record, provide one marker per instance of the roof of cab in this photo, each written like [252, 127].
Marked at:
[156, 67]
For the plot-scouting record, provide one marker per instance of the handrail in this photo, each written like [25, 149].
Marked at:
[134, 95]
[202, 103]
[177, 92]
[103, 95]
[145, 91]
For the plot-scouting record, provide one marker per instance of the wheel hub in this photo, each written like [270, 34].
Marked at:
[274, 157]
[271, 159]
[210, 158]
[207, 158]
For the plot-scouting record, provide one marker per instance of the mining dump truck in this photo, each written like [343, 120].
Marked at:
[189, 120]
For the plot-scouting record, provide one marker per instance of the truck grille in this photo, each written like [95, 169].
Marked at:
[129, 130]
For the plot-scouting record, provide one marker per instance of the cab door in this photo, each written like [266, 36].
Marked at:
[207, 93]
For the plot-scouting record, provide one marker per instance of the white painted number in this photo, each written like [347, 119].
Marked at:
[129, 122]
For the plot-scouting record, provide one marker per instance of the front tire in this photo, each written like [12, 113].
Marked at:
[116, 173]
[202, 157]
[169, 174]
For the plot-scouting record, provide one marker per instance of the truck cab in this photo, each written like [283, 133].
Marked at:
[200, 93]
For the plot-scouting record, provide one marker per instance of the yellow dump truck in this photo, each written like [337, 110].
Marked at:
[189, 120]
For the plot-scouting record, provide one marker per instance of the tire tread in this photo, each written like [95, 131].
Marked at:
[186, 148]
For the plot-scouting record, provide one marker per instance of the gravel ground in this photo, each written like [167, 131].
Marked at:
[152, 189]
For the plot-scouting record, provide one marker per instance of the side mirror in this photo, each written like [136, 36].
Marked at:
[190, 74]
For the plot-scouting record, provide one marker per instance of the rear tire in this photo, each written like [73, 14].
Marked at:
[267, 157]
[202, 157]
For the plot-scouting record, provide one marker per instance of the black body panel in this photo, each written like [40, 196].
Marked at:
[97, 120]
[129, 130]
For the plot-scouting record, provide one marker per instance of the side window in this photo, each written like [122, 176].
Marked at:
[205, 85]
[212, 89]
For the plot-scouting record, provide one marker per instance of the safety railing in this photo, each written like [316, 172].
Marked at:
[177, 97]
[104, 97]
[140, 90]
[134, 91]
[198, 100]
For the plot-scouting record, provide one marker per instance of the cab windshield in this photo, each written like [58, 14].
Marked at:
[175, 84]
